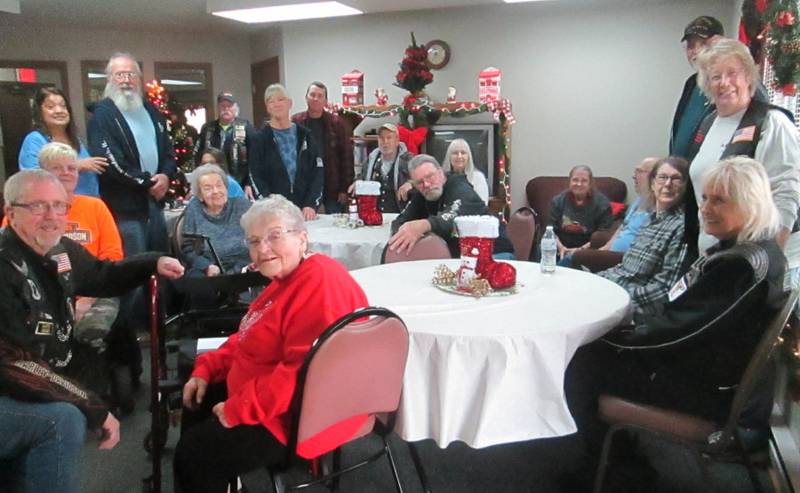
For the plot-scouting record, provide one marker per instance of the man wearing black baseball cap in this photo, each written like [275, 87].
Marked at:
[693, 105]
[230, 134]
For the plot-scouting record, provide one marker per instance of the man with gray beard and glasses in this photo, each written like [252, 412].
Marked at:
[132, 134]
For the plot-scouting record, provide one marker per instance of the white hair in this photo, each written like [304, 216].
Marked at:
[460, 145]
[274, 206]
[53, 151]
[723, 49]
[746, 183]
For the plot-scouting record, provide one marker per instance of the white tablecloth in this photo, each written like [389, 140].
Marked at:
[355, 248]
[491, 370]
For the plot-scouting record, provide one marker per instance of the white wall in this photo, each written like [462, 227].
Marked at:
[228, 53]
[589, 85]
[267, 43]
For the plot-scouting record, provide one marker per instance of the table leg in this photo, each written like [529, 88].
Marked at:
[423, 478]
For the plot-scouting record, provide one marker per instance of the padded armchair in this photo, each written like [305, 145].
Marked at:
[706, 439]
[541, 190]
[354, 368]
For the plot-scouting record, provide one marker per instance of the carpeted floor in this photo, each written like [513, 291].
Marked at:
[524, 467]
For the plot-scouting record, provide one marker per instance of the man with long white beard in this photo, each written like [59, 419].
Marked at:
[132, 134]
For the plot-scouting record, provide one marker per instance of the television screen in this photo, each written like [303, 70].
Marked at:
[480, 139]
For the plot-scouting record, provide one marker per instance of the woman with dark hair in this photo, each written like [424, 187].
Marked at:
[655, 260]
[52, 122]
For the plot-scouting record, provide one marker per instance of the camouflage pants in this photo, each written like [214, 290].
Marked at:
[95, 325]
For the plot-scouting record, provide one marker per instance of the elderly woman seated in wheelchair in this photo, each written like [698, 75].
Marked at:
[691, 354]
[238, 396]
[212, 241]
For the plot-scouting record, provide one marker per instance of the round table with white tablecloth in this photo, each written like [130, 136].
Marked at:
[491, 370]
[354, 247]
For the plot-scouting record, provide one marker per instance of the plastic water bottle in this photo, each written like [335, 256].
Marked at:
[549, 250]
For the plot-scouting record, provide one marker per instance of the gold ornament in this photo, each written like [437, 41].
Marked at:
[791, 48]
[479, 287]
[443, 276]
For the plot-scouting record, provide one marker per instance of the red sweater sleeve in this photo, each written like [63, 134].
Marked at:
[213, 366]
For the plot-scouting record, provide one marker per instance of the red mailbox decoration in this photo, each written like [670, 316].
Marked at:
[353, 88]
[489, 85]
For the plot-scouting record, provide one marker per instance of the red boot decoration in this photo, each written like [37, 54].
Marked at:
[477, 240]
[367, 195]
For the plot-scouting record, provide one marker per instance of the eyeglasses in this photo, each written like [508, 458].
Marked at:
[273, 237]
[425, 179]
[730, 75]
[40, 208]
[676, 179]
[120, 76]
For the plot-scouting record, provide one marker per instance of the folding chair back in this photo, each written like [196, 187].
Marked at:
[703, 436]
[356, 368]
[428, 247]
[521, 230]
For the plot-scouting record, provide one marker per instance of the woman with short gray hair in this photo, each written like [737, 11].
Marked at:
[212, 214]
[741, 125]
[284, 157]
[239, 395]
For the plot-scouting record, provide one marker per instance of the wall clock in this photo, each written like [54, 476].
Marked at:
[438, 54]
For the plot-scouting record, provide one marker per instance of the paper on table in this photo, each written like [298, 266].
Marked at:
[206, 344]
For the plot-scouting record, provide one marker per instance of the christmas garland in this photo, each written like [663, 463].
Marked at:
[783, 44]
[180, 136]
[501, 110]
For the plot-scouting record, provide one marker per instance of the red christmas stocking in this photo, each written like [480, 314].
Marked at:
[367, 195]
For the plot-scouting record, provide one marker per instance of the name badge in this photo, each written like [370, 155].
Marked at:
[44, 328]
[319, 162]
[678, 289]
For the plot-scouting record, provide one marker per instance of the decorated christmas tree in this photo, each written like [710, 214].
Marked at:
[182, 136]
[783, 44]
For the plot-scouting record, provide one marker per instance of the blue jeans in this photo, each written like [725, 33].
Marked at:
[139, 236]
[504, 256]
[41, 446]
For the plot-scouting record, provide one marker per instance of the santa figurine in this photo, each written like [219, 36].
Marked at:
[451, 94]
[381, 96]
[477, 235]
[367, 195]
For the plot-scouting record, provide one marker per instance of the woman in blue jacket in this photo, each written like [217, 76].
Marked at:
[285, 159]
[52, 122]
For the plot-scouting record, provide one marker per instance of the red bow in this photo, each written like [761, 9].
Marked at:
[412, 138]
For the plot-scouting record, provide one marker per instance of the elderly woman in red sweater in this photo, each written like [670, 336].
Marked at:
[238, 397]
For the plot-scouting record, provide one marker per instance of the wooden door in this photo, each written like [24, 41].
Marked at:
[262, 74]
[15, 119]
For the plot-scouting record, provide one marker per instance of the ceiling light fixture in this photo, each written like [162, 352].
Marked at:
[279, 13]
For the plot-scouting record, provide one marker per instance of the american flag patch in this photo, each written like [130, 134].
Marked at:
[745, 134]
[62, 262]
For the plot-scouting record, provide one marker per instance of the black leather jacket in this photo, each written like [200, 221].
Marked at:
[707, 333]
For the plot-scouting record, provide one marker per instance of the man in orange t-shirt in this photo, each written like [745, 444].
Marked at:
[90, 223]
